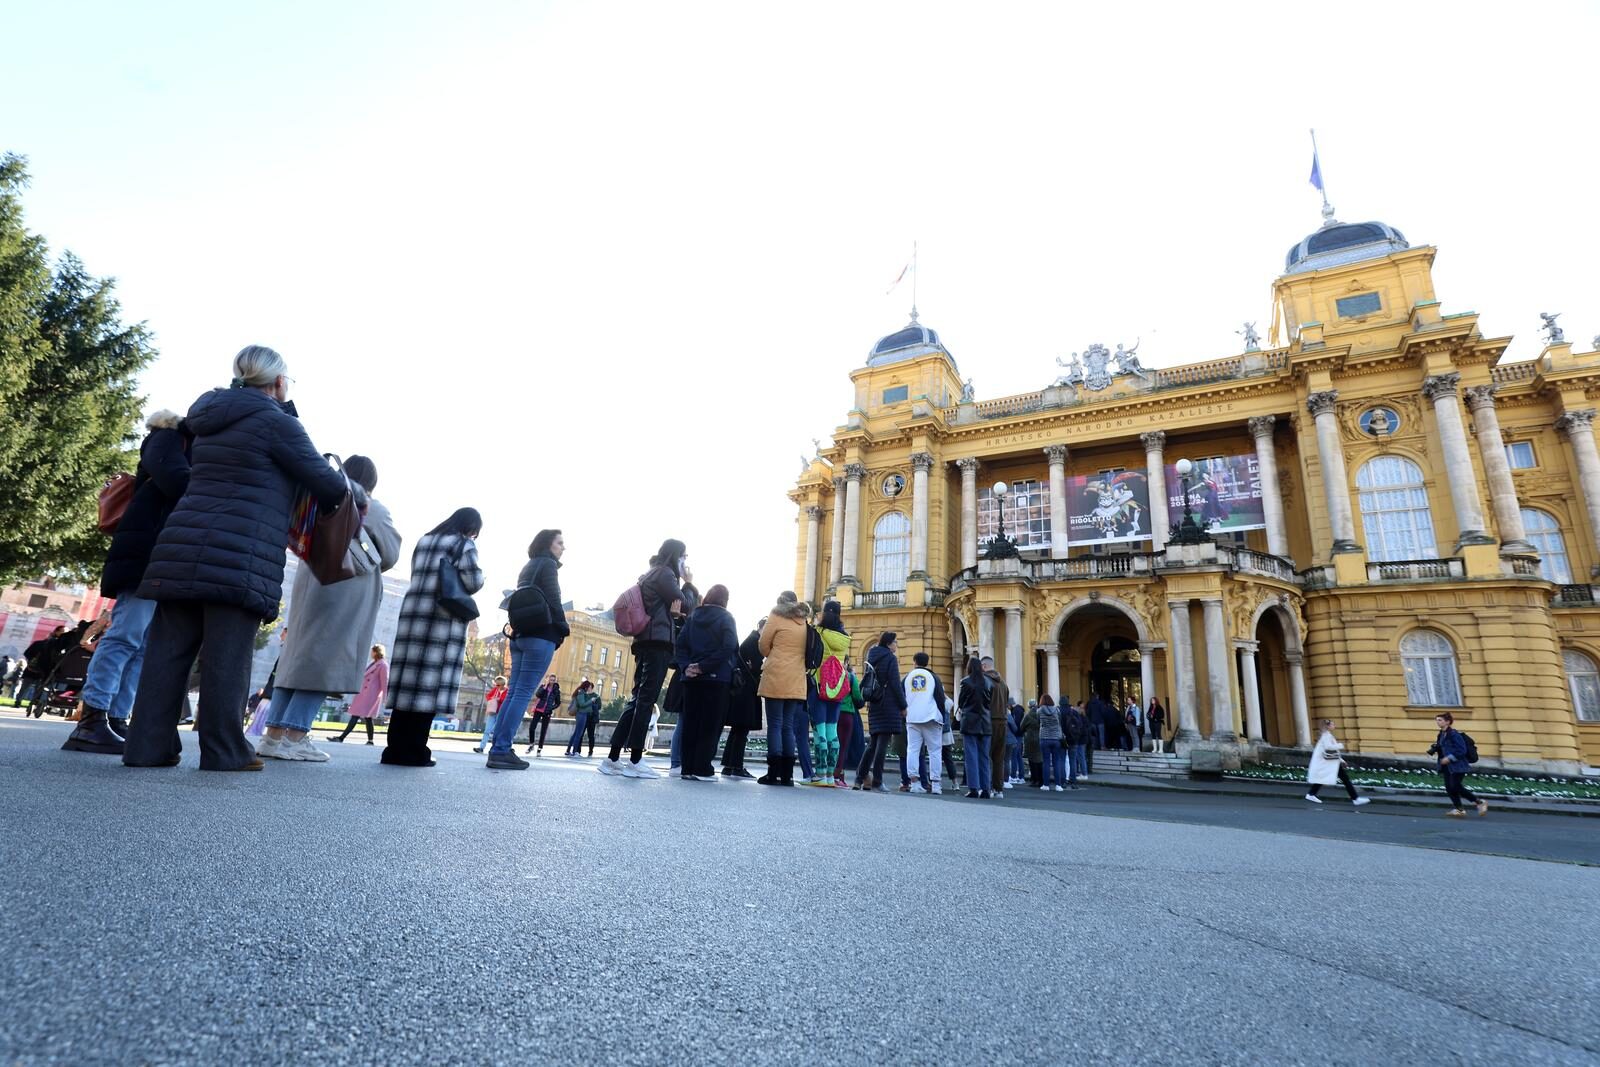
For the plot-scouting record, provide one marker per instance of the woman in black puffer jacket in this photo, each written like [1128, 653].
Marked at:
[216, 571]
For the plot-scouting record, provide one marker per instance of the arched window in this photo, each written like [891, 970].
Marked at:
[891, 552]
[1430, 664]
[1583, 678]
[1394, 510]
[1545, 534]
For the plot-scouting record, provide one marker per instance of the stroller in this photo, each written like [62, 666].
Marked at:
[63, 683]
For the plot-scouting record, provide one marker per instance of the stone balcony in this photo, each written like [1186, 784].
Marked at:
[1135, 565]
[1576, 596]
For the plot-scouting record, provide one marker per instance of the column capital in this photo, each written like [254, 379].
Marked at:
[1322, 402]
[1178, 602]
[1262, 425]
[1480, 397]
[1210, 601]
[855, 471]
[1056, 453]
[1583, 417]
[1293, 658]
[1437, 387]
[838, 484]
[1154, 441]
[922, 461]
[968, 463]
[1248, 647]
[814, 513]
[1015, 609]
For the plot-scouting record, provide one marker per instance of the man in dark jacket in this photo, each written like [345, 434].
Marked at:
[999, 708]
[113, 677]
[744, 706]
[216, 571]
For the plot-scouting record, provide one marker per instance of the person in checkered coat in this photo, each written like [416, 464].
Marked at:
[430, 644]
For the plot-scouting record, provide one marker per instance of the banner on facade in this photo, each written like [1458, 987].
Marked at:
[1110, 508]
[1224, 494]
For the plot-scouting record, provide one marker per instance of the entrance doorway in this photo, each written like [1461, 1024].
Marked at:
[1100, 654]
[1114, 671]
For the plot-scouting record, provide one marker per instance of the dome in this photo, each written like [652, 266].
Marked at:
[910, 342]
[1338, 242]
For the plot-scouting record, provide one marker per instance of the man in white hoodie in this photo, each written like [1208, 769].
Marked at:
[924, 722]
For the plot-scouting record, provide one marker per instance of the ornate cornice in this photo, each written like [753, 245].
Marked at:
[1437, 387]
[1056, 453]
[1322, 402]
[1154, 441]
[1480, 397]
[1262, 425]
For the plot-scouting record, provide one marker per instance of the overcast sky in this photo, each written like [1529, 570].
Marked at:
[607, 267]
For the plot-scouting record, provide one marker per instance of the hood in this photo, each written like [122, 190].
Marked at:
[217, 410]
[788, 610]
[162, 420]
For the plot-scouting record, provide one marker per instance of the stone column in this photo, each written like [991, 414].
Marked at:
[1271, 496]
[1252, 690]
[853, 474]
[1057, 454]
[969, 512]
[1181, 649]
[1502, 490]
[1297, 699]
[1335, 482]
[1579, 428]
[836, 558]
[1014, 649]
[1147, 671]
[1052, 678]
[808, 591]
[1441, 390]
[921, 463]
[1218, 664]
[985, 632]
[1155, 469]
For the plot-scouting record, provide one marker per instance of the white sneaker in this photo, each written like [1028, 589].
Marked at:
[1085, 777]
[998, 795]
[1314, 800]
[1358, 801]
[302, 750]
[917, 788]
[269, 747]
[1044, 789]
[639, 770]
[1058, 789]
[938, 791]
[610, 766]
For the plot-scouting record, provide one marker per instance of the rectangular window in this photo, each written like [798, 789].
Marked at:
[896, 394]
[1354, 307]
[1027, 514]
[1520, 455]
[603, 652]
[588, 653]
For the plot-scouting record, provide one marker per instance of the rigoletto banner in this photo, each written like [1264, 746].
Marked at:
[1109, 508]
[1224, 494]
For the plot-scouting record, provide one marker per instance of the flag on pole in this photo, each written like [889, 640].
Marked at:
[898, 278]
[1316, 171]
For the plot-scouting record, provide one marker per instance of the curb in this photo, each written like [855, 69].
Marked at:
[1567, 807]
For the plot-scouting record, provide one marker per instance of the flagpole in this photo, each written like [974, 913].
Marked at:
[913, 281]
[1327, 209]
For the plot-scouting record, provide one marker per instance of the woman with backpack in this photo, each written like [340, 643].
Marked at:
[537, 627]
[1456, 754]
[783, 684]
[831, 682]
[886, 710]
[852, 741]
[707, 655]
[972, 700]
[660, 600]
[744, 705]
[430, 643]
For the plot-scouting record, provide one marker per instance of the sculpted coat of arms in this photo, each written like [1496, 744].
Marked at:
[1092, 370]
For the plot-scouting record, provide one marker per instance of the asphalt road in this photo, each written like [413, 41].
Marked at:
[353, 913]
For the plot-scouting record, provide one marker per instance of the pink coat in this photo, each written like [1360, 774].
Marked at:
[374, 683]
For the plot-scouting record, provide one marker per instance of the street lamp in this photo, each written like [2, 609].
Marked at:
[1002, 547]
[1189, 531]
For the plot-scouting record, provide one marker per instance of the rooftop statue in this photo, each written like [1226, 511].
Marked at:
[1127, 362]
[966, 390]
[1252, 339]
[1552, 332]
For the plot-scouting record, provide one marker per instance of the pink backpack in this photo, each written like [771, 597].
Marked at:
[628, 613]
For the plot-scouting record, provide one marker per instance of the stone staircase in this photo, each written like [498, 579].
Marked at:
[1165, 765]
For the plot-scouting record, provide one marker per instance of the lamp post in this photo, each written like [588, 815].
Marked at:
[1189, 531]
[1002, 547]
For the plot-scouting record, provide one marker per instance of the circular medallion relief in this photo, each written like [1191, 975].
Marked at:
[894, 485]
[1379, 422]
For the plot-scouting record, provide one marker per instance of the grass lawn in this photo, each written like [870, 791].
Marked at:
[1486, 782]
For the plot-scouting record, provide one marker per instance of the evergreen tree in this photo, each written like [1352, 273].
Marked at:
[67, 368]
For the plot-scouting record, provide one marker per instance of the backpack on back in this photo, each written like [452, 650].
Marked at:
[871, 688]
[815, 649]
[1472, 746]
[631, 619]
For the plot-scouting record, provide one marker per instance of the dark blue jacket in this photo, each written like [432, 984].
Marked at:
[1452, 744]
[710, 639]
[162, 478]
[225, 541]
[887, 714]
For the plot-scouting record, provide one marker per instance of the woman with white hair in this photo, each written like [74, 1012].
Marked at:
[216, 572]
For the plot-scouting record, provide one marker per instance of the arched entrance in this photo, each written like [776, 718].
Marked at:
[1098, 640]
[1276, 640]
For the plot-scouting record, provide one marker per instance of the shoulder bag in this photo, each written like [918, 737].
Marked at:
[453, 596]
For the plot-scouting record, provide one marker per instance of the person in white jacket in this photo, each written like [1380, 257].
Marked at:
[1327, 767]
[924, 723]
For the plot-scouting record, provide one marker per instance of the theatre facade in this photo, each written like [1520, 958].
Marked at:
[1373, 522]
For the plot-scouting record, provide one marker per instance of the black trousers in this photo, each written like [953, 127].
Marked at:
[223, 637]
[1344, 780]
[540, 723]
[351, 725]
[408, 739]
[733, 751]
[650, 663]
[588, 728]
[1453, 788]
[705, 704]
[872, 759]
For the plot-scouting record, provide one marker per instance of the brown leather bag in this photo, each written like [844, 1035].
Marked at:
[115, 496]
[329, 555]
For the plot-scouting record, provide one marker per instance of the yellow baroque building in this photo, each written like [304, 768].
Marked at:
[1383, 521]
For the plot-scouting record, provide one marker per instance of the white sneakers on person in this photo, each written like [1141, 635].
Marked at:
[1314, 800]
[270, 747]
[998, 795]
[937, 791]
[610, 766]
[917, 788]
[1059, 789]
[302, 750]
[1044, 789]
[639, 770]
[1358, 801]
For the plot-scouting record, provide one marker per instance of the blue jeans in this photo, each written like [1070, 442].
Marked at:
[294, 709]
[488, 728]
[975, 752]
[1100, 732]
[113, 678]
[675, 750]
[782, 717]
[1053, 761]
[580, 724]
[530, 658]
[1014, 762]
[1079, 760]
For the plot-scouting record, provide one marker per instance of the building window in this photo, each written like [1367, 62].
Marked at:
[1355, 307]
[1583, 678]
[1027, 514]
[1519, 454]
[37, 601]
[604, 651]
[895, 394]
[891, 552]
[588, 653]
[1545, 534]
[1394, 510]
[1430, 665]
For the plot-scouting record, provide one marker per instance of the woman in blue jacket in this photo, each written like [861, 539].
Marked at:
[1451, 749]
[706, 652]
[886, 715]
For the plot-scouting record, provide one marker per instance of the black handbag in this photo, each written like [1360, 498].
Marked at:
[527, 610]
[453, 596]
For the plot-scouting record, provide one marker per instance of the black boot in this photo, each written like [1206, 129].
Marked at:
[788, 770]
[94, 734]
[772, 777]
[119, 725]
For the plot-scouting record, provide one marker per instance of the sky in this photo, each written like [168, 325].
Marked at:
[606, 267]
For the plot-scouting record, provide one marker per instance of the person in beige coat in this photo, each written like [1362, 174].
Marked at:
[783, 684]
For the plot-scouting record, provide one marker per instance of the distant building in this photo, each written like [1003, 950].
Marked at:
[30, 610]
[597, 652]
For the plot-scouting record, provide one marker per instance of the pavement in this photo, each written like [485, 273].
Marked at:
[354, 913]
